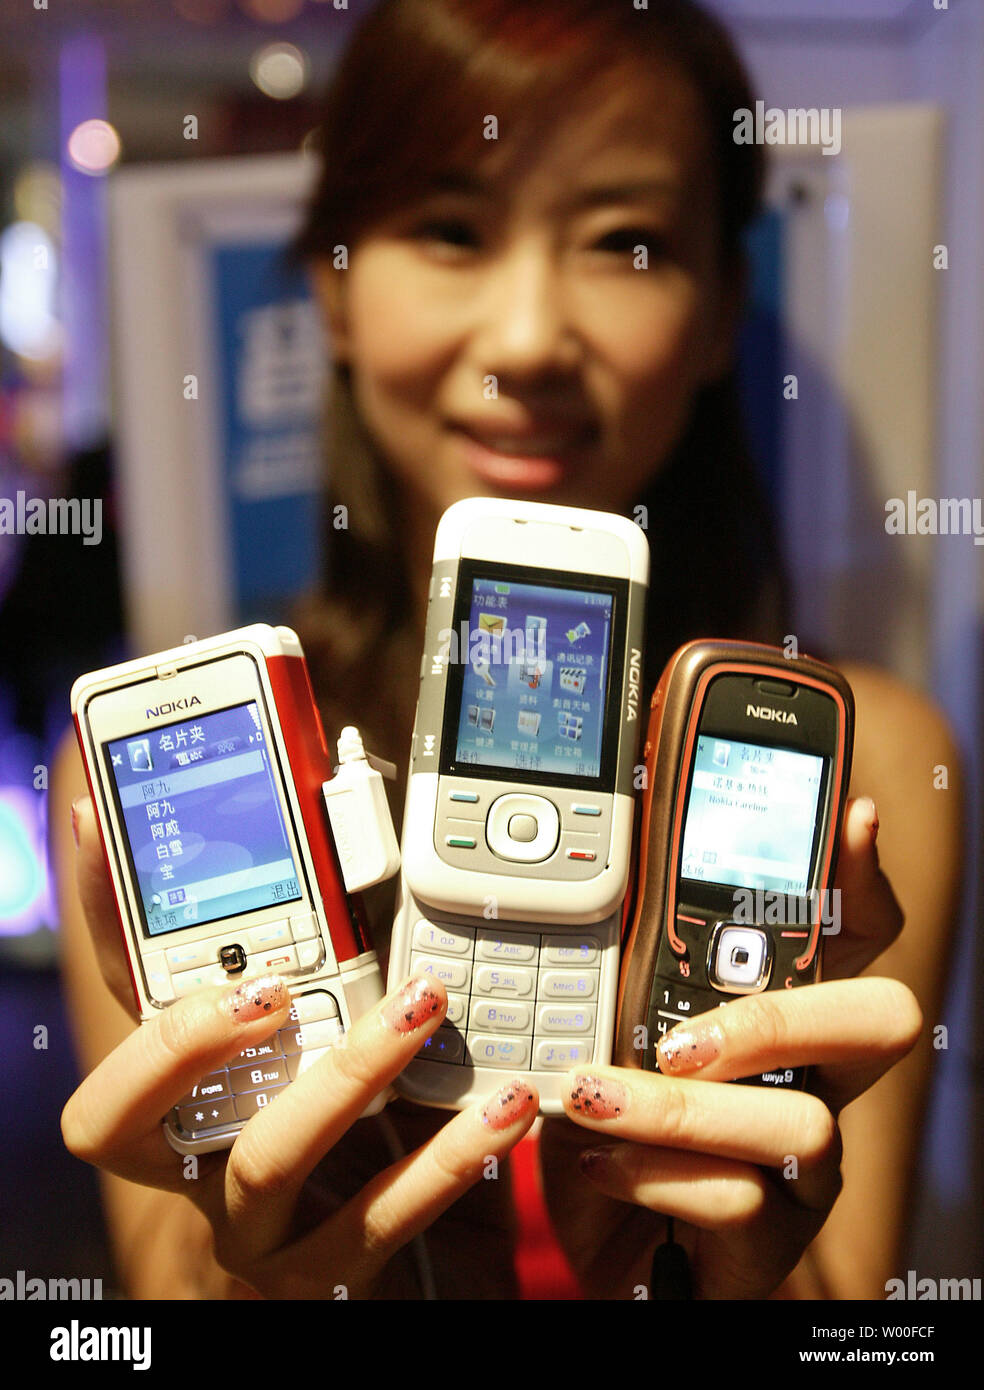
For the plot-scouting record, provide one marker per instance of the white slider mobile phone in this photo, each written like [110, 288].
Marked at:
[212, 787]
[518, 822]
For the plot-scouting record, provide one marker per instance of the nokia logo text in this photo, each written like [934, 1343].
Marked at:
[174, 705]
[635, 683]
[779, 716]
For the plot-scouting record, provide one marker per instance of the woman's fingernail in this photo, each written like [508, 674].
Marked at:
[689, 1049]
[598, 1098]
[596, 1163]
[253, 999]
[75, 820]
[509, 1104]
[415, 1003]
[872, 817]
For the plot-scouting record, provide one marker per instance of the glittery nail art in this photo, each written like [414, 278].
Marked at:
[597, 1098]
[686, 1050]
[253, 999]
[509, 1104]
[416, 1002]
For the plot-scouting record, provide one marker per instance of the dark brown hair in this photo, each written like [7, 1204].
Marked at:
[407, 101]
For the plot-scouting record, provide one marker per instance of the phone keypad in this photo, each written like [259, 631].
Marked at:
[521, 1000]
[282, 947]
[257, 1075]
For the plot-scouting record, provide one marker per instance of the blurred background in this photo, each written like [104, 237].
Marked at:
[158, 357]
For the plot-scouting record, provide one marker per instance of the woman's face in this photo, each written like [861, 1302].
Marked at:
[506, 335]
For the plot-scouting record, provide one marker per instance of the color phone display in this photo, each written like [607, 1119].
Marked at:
[535, 678]
[751, 815]
[748, 758]
[205, 830]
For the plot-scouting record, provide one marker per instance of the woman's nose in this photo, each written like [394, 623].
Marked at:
[523, 324]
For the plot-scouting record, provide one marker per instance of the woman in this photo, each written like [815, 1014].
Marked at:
[527, 245]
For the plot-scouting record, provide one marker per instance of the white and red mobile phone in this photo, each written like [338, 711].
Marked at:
[208, 770]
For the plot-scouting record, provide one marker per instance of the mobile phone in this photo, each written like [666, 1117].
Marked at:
[748, 759]
[519, 811]
[208, 769]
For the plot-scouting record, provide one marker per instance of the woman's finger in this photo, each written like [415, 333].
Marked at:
[869, 917]
[755, 1225]
[114, 1118]
[746, 1123]
[856, 1029]
[99, 904]
[716, 1194]
[355, 1244]
[282, 1143]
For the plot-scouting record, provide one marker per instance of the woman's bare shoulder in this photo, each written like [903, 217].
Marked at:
[907, 760]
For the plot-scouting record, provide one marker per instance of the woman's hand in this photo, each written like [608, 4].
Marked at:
[750, 1175]
[275, 1231]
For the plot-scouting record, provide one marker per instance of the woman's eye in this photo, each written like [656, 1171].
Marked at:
[448, 232]
[625, 240]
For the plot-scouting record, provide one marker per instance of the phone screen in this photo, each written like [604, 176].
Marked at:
[535, 661]
[751, 816]
[205, 833]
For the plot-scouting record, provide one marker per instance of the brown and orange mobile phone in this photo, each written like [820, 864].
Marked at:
[748, 758]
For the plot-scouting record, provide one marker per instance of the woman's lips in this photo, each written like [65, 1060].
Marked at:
[529, 462]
